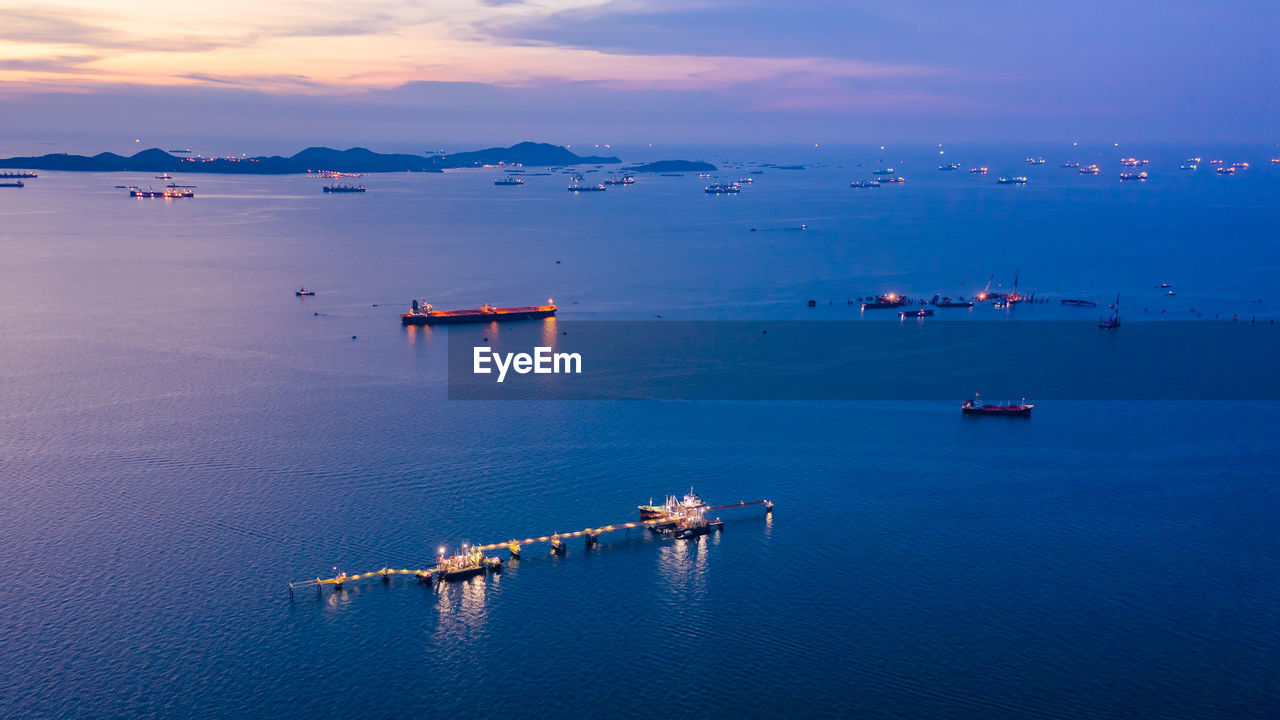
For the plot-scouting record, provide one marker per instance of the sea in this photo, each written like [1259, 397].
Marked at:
[181, 437]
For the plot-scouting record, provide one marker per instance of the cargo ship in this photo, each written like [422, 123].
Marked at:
[424, 314]
[1079, 303]
[508, 181]
[975, 406]
[1019, 180]
[344, 188]
[303, 292]
[19, 174]
[172, 191]
[18, 183]
[865, 183]
[624, 180]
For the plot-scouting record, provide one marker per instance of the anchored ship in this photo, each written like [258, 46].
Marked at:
[425, 314]
[344, 188]
[975, 406]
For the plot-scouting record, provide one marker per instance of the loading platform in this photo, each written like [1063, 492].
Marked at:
[430, 575]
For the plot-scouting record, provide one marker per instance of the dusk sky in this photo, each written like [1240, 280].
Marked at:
[637, 71]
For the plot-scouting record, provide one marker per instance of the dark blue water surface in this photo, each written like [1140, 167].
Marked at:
[181, 437]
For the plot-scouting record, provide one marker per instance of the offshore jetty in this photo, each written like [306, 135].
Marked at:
[679, 519]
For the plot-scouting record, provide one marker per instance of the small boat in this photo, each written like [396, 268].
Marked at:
[1079, 303]
[1113, 321]
[975, 406]
[303, 292]
[921, 313]
[1019, 180]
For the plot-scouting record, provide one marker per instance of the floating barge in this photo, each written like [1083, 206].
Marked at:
[424, 314]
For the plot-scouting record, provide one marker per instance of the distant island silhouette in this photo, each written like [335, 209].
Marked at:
[312, 159]
[664, 166]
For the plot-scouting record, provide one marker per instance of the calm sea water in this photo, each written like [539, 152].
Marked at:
[180, 437]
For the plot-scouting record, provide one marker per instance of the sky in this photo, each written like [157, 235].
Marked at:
[449, 72]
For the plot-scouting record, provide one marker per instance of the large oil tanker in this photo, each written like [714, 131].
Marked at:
[424, 314]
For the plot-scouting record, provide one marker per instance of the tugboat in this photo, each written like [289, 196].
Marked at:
[1112, 322]
[303, 292]
[509, 181]
[424, 314]
[975, 406]
[884, 302]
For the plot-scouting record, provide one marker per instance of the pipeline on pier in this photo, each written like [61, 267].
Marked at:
[427, 576]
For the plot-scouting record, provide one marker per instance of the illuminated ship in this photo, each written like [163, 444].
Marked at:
[1019, 180]
[509, 181]
[424, 314]
[470, 563]
[624, 180]
[1139, 176]
[865, 183]
[1090, 170]
[19, 174]
[303, 292]
[344, 188]
[722, 189]
[882, 302]
[978, 170]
